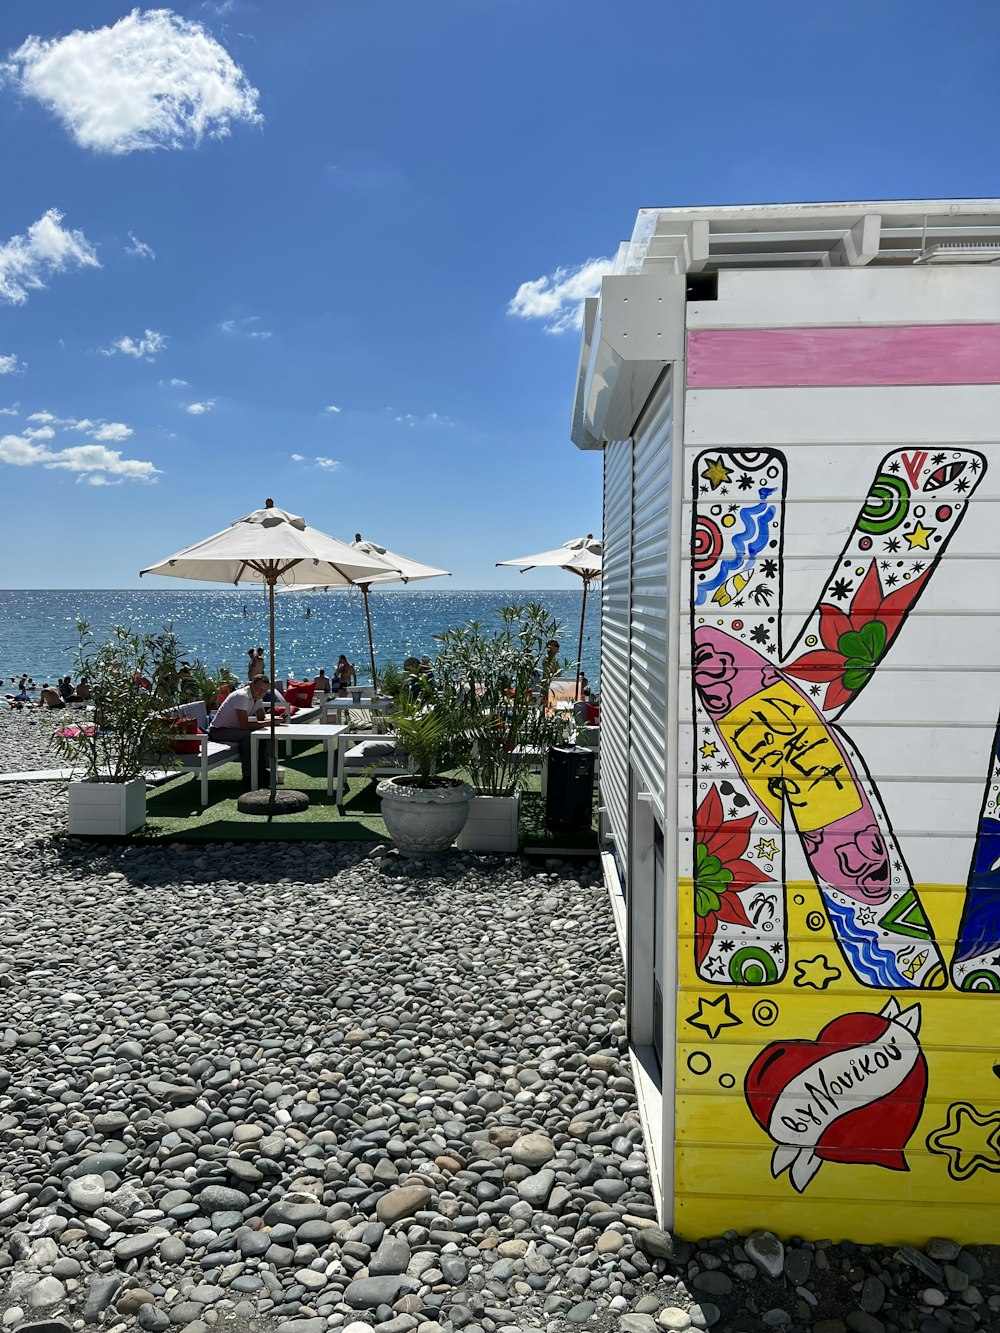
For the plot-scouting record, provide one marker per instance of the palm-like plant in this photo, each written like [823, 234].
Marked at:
[491, 680]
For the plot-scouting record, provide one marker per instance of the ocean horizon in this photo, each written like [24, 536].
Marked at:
[218, 625]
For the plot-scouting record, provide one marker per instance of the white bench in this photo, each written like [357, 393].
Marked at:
[371, 753]
[210, 753]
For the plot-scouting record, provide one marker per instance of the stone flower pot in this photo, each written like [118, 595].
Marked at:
[421, 820]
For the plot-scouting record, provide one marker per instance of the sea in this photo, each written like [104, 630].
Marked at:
[218, 625]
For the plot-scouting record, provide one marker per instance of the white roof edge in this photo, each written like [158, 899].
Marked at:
[888, 207]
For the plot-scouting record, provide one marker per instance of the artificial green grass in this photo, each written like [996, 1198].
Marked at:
[174, 812]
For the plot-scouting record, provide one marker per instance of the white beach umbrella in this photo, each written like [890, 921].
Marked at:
[401, 569]
[583, 556]
[265, 547]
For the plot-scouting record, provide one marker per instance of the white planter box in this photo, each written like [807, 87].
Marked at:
[492, 825]
[107, 808]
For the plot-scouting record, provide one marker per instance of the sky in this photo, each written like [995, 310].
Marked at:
[333, 251]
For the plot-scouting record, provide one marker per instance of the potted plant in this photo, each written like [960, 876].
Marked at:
[423, 811]
[125, 734]
[494, 676]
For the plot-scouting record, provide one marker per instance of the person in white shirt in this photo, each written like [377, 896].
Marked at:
[241, 712]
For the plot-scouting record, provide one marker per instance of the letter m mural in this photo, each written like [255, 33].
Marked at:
[770, 755]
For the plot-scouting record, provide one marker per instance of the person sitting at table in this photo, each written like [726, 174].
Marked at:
[323, 683]
[241, 712]
[344, 676]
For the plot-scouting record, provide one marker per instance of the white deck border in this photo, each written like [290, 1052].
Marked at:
[643, 1058]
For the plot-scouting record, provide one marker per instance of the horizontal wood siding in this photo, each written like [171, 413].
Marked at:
[838, 927]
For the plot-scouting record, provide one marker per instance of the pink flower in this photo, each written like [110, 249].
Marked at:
[865, 862]
[714, 672]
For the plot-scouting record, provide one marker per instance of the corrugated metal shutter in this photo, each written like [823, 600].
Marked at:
[651, 467]
[615, 642]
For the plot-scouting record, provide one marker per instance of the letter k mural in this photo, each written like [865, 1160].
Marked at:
[768, 751]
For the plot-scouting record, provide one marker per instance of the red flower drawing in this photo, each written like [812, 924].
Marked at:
[854, 643]
[720, 872]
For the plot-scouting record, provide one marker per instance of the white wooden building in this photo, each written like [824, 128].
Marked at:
[799, 410]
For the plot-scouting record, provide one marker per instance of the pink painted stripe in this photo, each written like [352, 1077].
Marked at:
[783, 358]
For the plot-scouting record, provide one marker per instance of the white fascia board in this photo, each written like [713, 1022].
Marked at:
[637, 329]
[578, 432]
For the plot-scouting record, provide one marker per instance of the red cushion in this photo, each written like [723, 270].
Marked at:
[593, 714]
[187, 726]
[300, 692]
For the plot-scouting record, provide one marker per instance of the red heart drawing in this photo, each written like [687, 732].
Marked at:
[847, 1110]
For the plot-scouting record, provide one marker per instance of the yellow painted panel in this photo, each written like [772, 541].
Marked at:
[819, 1107]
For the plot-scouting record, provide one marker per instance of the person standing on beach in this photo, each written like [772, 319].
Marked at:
[344, 675]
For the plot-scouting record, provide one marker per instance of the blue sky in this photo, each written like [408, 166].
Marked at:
[332, 251]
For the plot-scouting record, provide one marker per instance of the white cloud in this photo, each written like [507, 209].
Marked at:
[46, 248]
[87, 460]
[318, 461]
[151, 80]
[10, 365]
[8, 411]
[558, 299]
[332, 408]
[199, 409]
[431, 419]
[42, 416]
[139, 248]
[39, 433]
[144, 348]
[244, 327]
[110, 430]
[175, 384]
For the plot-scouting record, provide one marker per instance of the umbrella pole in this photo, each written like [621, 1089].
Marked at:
[371, 645]
[579, 650]
[274, 686]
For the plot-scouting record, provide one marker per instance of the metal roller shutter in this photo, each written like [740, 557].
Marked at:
[651, 469]
[615, 616]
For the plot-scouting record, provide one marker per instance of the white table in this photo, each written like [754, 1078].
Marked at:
[305, 731]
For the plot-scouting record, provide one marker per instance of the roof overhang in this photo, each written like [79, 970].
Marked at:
[636, 326]
[630, 333]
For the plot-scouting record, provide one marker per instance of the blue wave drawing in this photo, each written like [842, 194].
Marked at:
[861, 948]
[747, 545]
[980, 930]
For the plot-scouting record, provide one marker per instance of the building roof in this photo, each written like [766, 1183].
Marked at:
[834, 235]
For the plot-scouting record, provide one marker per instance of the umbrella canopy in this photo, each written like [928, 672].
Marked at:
[583, 556]
[271, 545]
[263, 547]
[397, 569]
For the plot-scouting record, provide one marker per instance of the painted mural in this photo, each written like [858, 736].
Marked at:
[833, 1003]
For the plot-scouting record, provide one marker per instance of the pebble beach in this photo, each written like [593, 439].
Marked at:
[292, 1088]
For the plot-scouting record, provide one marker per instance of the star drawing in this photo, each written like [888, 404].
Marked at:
[709, 750]
[714, 1015]
[767, 848]
[716, 472]
[970, 1139]
[840, 589]
[919, 536]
